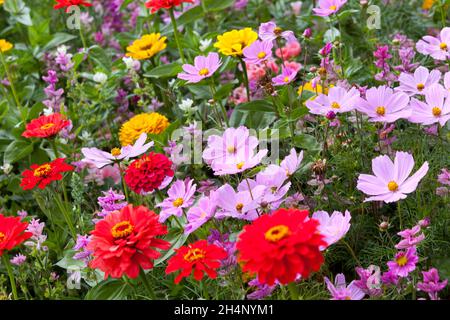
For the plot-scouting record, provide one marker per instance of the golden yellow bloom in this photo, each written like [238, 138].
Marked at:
[154, 123]
[5, 45]
[233, 42]
[427, 4]
[147, 46]
[309, 87]
[2, 1]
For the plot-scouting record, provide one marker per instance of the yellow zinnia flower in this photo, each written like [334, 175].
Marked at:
[147, 46]
[309, 87]
[232, 43]
[2, 1]
[154, 123]
[5, 45]
[427, 4]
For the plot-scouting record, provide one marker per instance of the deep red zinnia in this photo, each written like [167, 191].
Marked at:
[148, 172]
[281, 246]
[68, 3]
[42, 175]
[45, 126]
[155, 5]
[125, 241]
[200, 256]
[12, 233]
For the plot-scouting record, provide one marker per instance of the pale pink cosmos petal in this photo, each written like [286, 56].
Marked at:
[411, 183]
[371, 185]
[98, 157]
[383, 168]
[403, 165]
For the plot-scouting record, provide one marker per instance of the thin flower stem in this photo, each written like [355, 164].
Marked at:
[224, 111]
[124, 185]
[147, 285]
[176, 35]
[83, 41]
[65, 214]
[351, 252]
[399, 212]
[12, 280]
[244, 72]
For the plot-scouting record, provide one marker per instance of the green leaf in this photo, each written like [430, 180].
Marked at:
[331, 35]
[101, 58]
[306, 141]
[35, 110]
[177, 242]
[3, 109]
[17, 150]
[256, 106]
[58, 39]
[164, 71]
[214, 5]
[111, 289]
[224, 91]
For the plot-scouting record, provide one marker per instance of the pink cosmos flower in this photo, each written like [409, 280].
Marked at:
[269, 31]
[258, 52]
[340, 291]
[382, 104]
[287, 76]
[203, 67]
[410, 238]
[436, 107]
[101, 158]
[296, 7]
[447, 81]
[444, 177]
[333, 227]
[404, 263]
[418, 82]
[328, 7]
[240, 205]
[436, 47]
[292, 162]
[338, 100]
[431, 283]
[180, 196]
[390, 182]
[370, 280]
[201, 213]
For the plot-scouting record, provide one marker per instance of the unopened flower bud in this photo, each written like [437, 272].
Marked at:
[330, 115]
[384, 226]
[307, 33]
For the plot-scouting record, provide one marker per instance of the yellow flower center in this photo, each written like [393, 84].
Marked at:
[122, 229]
[286, 79]
[262, 55]
[231, 149]
[178, 202]
[47, 126]
[203, 72]
[116, 152]
[2, 237]
[332, 8]
[277, 31]
[420, 86]
[402, 260]
[443, 46]
[277, 233]
[335, 105]
[436, 111]
[392, 186]
[42, 170]
[239, 207]
[240, 165]
[381, 110]
[194, 255]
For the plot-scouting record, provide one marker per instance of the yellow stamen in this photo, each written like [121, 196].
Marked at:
[277, 31]
[203, 72]
[42, 170]
[332, 8]
[443, 46]
[47, 126]
[381, 110]
[178, 202]
[286, 79]
[194, 254]
[436, 111]
[402, 260]
[392, 186]
[122, 229]
[240, 165]
[262, 55]
[231, 149]
[239, 207]
[116, 152]
[277, 233]
[335, 105]
[420, 86]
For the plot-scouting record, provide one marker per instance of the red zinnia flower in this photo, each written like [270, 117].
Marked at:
[125, 241]
[42, 175]
[155, 5]
[148, 172]
[12, 233]
[200, 256]
[45, 126]
[68, 3]
[281, 246]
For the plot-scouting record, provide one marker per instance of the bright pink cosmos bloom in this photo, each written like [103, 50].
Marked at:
[338, 100]
[431, 283]
[436, 107]
[258, 52]
[333, 227]
[382, 104]
[404, 262]
[102, 158]
[203, 67]
[287, 76]
[269, 31]
[390, 182]
[340, 290]
[328, 7]
[418, 82]
[438, 48]
[410, 238]
[180, 196]
[201, 212]
[240, 205]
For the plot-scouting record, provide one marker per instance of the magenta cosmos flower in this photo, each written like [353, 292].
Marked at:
[436, 47]
[431, 283]
[338, 100]
[269, 31]
[382, 104]
[390, 182]
[435, 108]
[287, 76]
[258, 51]
[328, 7]
[340, 291]
[180, 196]
[418, 82]
[203, 67]
[333, 227]
[410, 238]
[102, 158]
[404, 262]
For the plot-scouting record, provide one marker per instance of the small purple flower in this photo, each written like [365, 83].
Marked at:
[340, 291]
[262, 290]
[203, 67]
[326, 50]
[258, 52]
[287, 76]
[18, 259]
[111, 201]
[38, 238]
[307, 33]
[404, 262]
[81, 244]
[180, 196]
[22, 214]
[431, 283]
